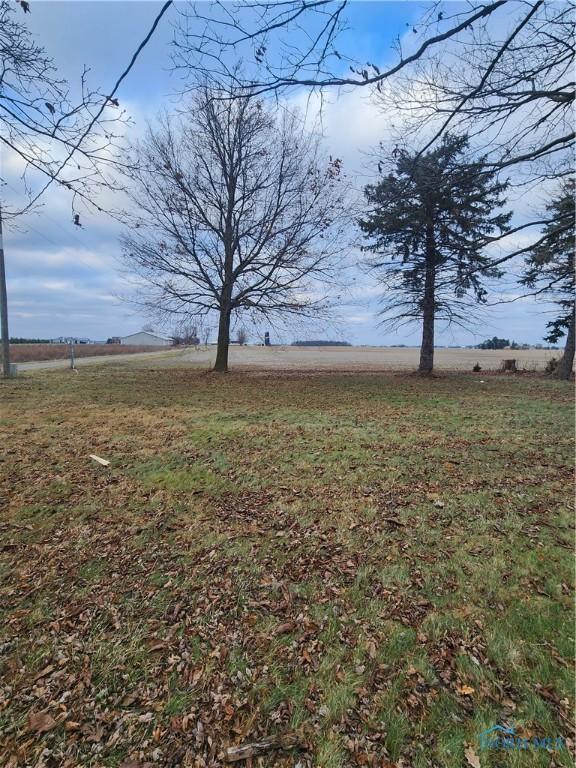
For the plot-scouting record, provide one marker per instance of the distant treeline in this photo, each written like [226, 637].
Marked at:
[496, 343]
[18, 340]
[321, 343]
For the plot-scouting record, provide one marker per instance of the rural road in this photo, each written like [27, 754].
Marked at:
[82, 361]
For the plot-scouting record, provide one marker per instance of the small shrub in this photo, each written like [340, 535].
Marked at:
[477, 368]
[551, 365]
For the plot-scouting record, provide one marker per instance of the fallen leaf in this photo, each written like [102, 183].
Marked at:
[471, 757]
[157, 647]
[283, 629]
[465, 690]
[41, 722]
[44, 672]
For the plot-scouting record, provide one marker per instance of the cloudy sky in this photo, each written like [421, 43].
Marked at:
[65, 280]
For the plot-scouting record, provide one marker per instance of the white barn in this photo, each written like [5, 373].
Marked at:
[146, 339]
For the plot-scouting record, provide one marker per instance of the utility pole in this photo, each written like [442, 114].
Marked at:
[4, 309]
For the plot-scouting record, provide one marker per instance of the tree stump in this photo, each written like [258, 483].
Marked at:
[509, 366]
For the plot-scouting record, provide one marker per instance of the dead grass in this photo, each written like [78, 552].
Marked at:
[22, 353]
[380, 563]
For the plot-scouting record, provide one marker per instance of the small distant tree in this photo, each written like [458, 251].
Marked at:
[242, 336]
[428, 223]
[550, 271]
[494, 343]
[186, 334]
[239, 213]
[190, 334]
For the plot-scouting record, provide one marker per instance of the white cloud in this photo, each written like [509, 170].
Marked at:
[351, 122]
[65, 257]
[367, 317]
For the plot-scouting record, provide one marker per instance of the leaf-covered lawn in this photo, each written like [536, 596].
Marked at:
[381, 565]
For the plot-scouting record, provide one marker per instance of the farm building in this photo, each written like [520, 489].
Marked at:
[146, 338]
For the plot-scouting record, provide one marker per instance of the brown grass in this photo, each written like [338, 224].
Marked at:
[23, 353]
[380, 563]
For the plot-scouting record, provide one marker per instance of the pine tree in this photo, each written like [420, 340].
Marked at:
[428, 223]
[550, 270]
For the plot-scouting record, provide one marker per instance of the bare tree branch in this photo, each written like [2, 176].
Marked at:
[237, 213]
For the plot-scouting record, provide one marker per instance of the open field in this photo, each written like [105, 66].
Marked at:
[361, 358]
[331, 358]
[378, 563]
[20, 353]
[381, 358]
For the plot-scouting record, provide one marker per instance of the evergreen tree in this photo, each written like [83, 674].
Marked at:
[550, 269]
[428, 223]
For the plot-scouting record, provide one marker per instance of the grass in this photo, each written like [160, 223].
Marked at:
[22, 353]
[380, 562]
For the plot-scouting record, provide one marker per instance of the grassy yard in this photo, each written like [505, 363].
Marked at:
[378, 563]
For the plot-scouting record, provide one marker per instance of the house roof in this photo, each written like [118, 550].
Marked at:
[147, 333]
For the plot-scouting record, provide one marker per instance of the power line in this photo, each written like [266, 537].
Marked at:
[41, 212]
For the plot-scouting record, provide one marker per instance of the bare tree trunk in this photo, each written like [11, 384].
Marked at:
[564, 369]
[428, 306]
[221, 364]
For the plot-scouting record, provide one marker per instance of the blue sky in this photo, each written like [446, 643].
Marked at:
[67, 281]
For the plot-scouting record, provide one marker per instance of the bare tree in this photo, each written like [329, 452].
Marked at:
[242, 336]
[501, 72]
[205, 333]
[503, 69]
[238, 213]
[45, 125]
[508, 84]
[295, 42]
[190, 334]
[57, 137]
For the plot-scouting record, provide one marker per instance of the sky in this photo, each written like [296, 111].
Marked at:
[64, 280]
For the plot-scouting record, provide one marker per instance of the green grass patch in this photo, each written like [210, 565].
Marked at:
[383, 563]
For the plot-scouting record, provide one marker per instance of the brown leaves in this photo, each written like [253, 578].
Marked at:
[285, 628]
[371, 649]
[168, 632]
[471, 757]
[41, 722]
[46, 671]
[247, 751]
